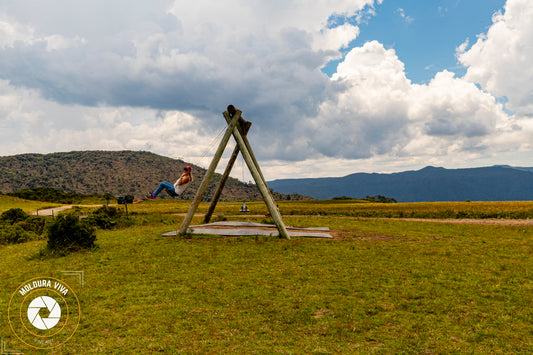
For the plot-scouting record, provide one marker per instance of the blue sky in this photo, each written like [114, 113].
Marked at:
[156, 75]
[426, 33]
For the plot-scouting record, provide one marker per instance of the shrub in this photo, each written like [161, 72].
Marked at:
[14, 234]
[13, 216]
[342, 198]
[33, 224]
[68, 233]
[17, 227]
[104, 217]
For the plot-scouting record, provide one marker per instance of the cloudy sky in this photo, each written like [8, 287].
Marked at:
[332, 86]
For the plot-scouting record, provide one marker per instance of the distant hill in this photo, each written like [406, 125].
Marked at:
[116, 172]
[497, 183]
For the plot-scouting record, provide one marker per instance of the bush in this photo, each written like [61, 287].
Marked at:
[13, 216]
[68, 233]
[14, 234]
[17, 227]
[33, 224]
[380, 199]
[104, 217]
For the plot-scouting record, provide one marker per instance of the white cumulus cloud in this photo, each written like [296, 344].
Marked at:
[500, 60]
[157, 75]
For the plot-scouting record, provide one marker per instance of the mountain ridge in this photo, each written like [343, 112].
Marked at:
[116, 172]
[138, 172]
[496, 183]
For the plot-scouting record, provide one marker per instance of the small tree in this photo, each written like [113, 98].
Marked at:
[68, 233]
[108, 197]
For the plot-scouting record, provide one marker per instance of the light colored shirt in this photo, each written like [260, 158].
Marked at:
[182, 187]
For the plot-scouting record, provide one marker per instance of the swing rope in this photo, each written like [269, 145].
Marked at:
[201, 162]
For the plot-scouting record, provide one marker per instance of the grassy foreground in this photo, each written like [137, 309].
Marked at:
[383, 287]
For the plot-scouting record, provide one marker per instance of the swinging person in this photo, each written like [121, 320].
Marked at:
[179, 186]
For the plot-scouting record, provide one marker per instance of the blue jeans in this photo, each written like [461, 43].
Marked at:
[167, 186]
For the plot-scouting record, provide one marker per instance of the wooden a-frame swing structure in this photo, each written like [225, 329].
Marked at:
[237, 127]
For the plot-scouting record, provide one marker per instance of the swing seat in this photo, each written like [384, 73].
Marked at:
[244, 208]
[171, 194]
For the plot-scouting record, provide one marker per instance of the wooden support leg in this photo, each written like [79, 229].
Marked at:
[252, 155]
[225, 176]
[221, 184]
[259, 180]
[208, 175]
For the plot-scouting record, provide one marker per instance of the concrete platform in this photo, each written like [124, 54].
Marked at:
[252, 229]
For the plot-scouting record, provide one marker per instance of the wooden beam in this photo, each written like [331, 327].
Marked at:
[253, 166]
[209, 174]
[221, 184]
[244, 126]
[247, 144]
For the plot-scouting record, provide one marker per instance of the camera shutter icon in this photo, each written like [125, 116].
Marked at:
[44, 302]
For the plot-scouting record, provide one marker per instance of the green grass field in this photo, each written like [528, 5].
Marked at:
[382, 286]
[8, 202]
